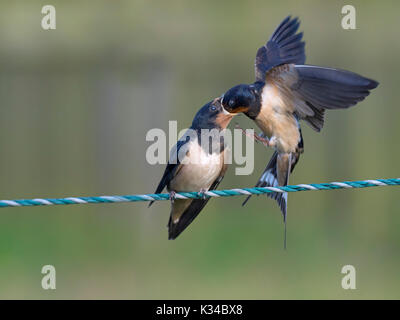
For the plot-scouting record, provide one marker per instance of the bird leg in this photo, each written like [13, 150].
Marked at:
[273, 141]
[202, 193]
[257, 138]
[172, 196]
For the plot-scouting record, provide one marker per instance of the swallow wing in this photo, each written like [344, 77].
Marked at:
[284, 46]
[192, 211]
[308, 91]
[172, 167]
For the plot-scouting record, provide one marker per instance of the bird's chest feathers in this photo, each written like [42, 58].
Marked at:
[199, 169]
[276, 118]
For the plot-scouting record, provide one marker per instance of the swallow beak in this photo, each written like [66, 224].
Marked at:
[224, 111]
[227, 113]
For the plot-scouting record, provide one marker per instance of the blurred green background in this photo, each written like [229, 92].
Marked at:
[76, 103]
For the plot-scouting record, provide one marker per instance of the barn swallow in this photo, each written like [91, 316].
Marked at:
[286, 91]
[201, 168]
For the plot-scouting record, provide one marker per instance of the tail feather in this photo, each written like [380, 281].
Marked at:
[275, 175]
[269, 178]
[192, 211]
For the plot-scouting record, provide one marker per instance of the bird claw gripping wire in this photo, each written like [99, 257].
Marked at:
[202, 194]
[172, 196]
[195, 195]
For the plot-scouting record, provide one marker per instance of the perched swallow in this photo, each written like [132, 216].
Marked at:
[286, 91]
[195, 166]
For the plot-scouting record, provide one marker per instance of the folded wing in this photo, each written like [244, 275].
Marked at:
[172, 167]
[192, 211]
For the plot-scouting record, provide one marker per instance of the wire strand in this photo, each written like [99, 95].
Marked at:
[198, 195]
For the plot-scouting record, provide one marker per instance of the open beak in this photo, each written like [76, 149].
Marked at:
[225, 112]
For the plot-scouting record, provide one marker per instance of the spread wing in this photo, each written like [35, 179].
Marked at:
[308, 91]
[284, 46]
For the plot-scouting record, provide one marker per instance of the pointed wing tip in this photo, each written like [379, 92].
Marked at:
[245, 201]
[373, 84]
[173, 231]
[288, 17]
[171, 236]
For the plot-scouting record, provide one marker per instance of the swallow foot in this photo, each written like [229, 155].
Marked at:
[261, 137]
[172, 196]
[273, 141]
[202, 194]
[257, 138]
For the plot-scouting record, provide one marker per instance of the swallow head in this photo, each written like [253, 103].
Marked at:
[240, 98]
[212, 116]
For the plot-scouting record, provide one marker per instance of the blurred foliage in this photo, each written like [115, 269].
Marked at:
[76, 104]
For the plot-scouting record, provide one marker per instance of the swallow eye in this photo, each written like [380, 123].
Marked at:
[213, 108]
[231, 103]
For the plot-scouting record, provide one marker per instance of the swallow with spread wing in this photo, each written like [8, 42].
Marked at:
[196, 165]
[287, 91]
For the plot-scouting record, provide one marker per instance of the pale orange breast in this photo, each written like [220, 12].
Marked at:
[276, 118]
[199, 171]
